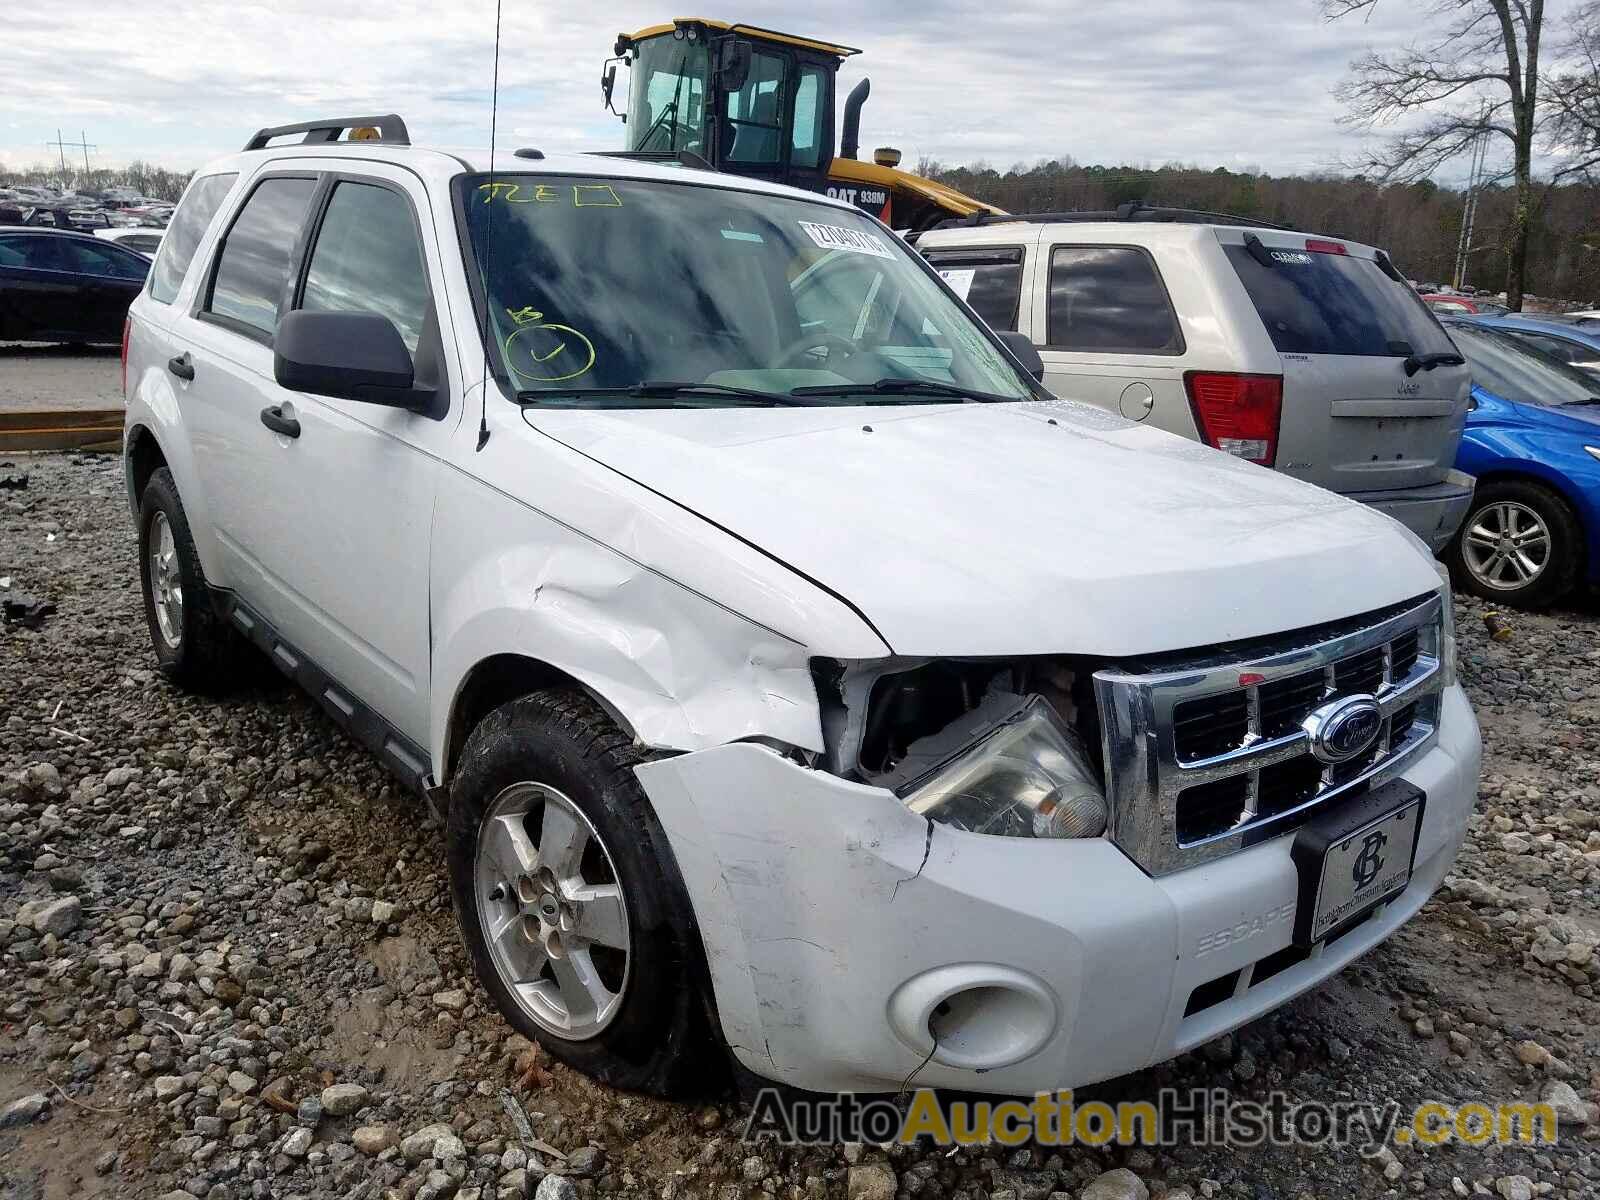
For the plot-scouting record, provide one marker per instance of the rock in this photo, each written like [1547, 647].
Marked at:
[422, 1143]
[66, 879]
[1514, 1187]
[372, 1139]
[1531, 1054]
[309, 1112]
[1422, 1027]
[342, 1099]
[586, 1161]
[296, 1143]
[119, 777]
[1120, 1184]
[242, 1083]
[559, 1187]
[384, 911]
[24, 1111]
[452, 1001]
[59, 917]
[168, 1086]
[872, 1181]
[1568, 1104]
[1460, 1043]
[513, 1185]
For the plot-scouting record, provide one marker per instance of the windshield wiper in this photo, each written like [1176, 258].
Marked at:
[897, 386]
[661, 389]
[1585, 400]
[1427, 362]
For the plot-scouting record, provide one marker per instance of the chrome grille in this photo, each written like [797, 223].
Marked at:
[1205, 755]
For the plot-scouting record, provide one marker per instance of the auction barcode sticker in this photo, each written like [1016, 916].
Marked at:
[857, 241]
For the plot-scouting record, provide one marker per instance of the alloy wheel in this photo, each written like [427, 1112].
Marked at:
[166, 581]
[1506, 546]
[551, 909]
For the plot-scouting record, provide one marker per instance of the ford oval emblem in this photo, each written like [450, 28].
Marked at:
[1341, 729]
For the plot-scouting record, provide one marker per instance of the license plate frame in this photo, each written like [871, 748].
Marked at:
[1374, 833]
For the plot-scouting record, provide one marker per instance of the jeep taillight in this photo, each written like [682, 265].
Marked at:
[127, 324]
[1237, 414]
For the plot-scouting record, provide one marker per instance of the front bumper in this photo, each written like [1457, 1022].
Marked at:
[834, 919]
[1433, 513]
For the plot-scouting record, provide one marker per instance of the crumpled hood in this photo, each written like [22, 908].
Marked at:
[1041, 527]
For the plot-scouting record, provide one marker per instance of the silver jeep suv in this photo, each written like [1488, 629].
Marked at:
[1294, 351]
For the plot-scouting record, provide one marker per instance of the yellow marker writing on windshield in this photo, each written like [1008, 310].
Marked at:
[541, 342]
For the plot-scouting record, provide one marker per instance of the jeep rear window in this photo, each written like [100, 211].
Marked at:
[188, 225]
[992, 279]
[1317, 303]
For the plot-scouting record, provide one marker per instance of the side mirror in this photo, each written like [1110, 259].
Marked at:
[346, 355]
[733, 63]
[1023, 350]
[608, 80]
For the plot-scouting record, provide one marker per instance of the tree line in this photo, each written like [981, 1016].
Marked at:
[1419, 223]
[158, 183]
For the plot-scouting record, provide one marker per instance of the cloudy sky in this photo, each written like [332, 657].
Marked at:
[1216, 82]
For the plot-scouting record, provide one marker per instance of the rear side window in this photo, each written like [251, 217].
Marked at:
[188, 225]
[88, 259]
[1109, 299]
[991, 281]
[367, 259]
[253, 265]
[1317, 303]
[35, 253]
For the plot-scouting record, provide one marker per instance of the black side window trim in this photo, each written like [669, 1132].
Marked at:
[429, 361]
[974, 256]
[297, 256]
[1175, 351]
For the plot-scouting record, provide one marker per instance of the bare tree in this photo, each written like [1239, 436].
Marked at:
[1573, 96]
[1480, 77]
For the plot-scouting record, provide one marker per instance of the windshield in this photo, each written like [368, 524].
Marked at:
[667, 95]
[599, 285]
[1317, 303]
[1516, 371]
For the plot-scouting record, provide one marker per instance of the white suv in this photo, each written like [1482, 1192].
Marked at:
[794, 675]
[1295, 351]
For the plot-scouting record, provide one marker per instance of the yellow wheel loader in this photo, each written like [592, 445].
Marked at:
[755, 102]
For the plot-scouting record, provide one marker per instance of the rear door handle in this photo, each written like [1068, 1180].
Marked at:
[272, 417]
[182, 366]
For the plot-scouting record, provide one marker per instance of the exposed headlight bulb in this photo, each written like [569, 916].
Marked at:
[1030, 776]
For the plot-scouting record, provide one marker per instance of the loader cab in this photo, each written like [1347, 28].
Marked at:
[745, 100]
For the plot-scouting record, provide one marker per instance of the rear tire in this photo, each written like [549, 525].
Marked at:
[568, 896]
[1520, 545]
[195, 649]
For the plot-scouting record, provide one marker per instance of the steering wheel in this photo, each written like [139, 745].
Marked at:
[810, 341]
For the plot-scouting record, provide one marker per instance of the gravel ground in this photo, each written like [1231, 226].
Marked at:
[34, 375]
[228, 966]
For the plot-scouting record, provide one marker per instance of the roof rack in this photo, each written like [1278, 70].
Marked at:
[1133, 210]
[391, 130]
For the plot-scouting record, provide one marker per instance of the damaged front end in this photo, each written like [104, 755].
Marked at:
[1007, 748]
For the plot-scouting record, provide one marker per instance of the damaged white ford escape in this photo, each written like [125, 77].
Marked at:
[796, 676]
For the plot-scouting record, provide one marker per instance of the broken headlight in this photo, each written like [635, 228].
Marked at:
[1027, 776]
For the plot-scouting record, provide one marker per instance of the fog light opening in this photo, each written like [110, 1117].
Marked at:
[977, 1016]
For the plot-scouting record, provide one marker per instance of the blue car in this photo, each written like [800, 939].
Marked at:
[1572, 339]
[1532, 439]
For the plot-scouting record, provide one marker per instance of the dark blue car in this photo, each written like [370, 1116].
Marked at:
[57, 286]
[1533, 440]
[1572, 339]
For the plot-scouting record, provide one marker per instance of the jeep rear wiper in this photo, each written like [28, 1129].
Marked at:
[1427, 362]
[898, 386]
[663, 389]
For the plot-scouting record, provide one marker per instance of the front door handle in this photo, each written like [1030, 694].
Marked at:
[182, 366]
[272, 417]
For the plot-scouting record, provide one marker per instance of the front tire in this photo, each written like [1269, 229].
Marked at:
[1520, 545]
[195, 649]
[568, 898]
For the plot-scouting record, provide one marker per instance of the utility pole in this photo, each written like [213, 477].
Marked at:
[1469, 209]
[81, 144]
